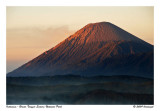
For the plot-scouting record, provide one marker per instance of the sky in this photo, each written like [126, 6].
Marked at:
[33, 30]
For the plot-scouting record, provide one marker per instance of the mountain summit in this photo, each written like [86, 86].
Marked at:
[96, 49]
[101, 32]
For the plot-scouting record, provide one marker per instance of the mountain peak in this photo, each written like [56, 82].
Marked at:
[99, 23]
[101, 32]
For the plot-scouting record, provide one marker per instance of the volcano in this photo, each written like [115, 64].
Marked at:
[97, 49]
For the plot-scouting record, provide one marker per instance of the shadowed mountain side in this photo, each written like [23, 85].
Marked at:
[134, 65]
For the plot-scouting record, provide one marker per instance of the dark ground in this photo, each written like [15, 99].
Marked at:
[125, 90]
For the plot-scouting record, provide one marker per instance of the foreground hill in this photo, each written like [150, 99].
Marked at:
[72, 90]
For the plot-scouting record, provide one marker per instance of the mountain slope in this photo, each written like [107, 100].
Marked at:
[88, 50]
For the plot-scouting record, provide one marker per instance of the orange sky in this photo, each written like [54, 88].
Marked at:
[32, 30]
